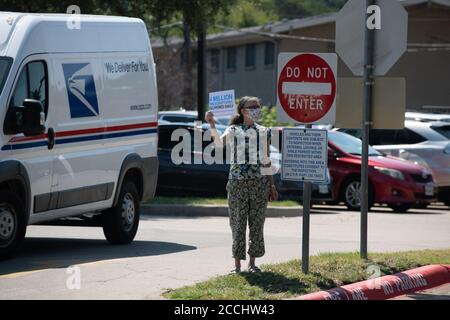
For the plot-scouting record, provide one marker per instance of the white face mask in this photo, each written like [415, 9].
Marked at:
[254, 114]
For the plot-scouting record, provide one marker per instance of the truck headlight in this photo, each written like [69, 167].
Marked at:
[391, 172]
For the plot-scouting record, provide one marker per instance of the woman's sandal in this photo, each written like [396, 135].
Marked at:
[254, 269]
[235, 271]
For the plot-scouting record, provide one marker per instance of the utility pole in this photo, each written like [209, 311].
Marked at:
[201, 71]
[187, 91]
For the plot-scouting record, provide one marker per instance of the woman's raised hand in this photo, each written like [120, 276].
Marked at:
[209, 117]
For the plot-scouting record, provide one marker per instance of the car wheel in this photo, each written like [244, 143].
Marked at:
[400, 208]
[351, 194]
[120, 223]
[12, 223]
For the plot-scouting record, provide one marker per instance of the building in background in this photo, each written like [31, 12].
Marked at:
[246, 59]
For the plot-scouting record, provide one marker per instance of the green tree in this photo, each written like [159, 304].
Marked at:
[248, 13]
[291, 9]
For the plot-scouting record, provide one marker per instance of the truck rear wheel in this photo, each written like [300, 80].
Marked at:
[12, 223]
[120, 223]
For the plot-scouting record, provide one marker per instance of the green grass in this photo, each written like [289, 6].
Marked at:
[285, 280]
[211, 201]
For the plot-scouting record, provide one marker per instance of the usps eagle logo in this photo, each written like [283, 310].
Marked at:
[81, 90]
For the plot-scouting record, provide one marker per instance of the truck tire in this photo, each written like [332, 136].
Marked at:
[12, 223]
[120, 223]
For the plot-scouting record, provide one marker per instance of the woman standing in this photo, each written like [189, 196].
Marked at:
[250, 185]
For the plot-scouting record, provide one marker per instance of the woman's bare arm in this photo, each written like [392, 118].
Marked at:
[218, 140]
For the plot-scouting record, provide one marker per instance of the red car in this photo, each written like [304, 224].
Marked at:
[398, 183]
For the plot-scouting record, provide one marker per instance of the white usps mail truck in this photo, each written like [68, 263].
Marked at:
[78, 109]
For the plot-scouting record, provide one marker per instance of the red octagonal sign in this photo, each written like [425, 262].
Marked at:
[307, 87]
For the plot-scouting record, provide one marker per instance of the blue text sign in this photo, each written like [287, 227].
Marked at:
[221, 103]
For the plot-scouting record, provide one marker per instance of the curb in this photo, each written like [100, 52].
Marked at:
[387, 287]
[180, 210]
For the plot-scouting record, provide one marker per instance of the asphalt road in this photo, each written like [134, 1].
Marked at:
[171, 252]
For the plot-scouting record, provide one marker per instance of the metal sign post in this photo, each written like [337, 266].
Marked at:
[305, 158]
[370, 52]
[306, 95]
[368, 85]
[305, 223]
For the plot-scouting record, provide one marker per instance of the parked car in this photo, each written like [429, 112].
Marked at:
[427, 117]
[425, 143]
[210, 179]
[223, 120]
[398, 183]
[183, 116]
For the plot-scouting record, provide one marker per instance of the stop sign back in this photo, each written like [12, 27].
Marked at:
[306, 88]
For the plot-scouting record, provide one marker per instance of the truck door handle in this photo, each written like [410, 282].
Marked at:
[51, 138]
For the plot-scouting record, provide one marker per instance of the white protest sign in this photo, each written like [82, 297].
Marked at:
[221, 103]
[305, 155]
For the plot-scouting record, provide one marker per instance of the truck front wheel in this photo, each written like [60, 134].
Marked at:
[12, 223]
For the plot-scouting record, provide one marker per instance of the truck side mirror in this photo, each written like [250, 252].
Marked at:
[32, 118]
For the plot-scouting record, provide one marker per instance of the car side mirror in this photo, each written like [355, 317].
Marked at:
[31, 118]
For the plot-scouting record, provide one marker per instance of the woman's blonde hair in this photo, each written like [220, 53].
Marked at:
[243, 102]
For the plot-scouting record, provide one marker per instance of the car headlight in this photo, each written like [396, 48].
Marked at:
[391, 172]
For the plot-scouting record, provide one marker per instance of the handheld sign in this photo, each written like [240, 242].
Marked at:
[306, 91]
[305, 155]
[221, 103]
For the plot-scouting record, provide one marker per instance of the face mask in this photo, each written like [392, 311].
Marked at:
[254, 114]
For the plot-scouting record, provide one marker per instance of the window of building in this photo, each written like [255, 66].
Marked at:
[215, 60]
[269, 54]
[231, 58]
[250, 56]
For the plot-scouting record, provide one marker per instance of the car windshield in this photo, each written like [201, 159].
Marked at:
[5, 64]
[349, 144]
[443, 130]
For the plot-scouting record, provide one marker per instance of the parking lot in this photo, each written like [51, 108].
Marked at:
[171, 252]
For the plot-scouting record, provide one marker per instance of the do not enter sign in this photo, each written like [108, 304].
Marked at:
[306, 90]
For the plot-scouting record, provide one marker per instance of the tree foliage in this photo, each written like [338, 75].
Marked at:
[290, 9]
[153, 12]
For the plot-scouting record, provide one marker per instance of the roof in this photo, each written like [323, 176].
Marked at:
[43, 33]
[254, 33]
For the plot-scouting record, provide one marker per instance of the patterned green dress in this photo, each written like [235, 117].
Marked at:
[248, 189]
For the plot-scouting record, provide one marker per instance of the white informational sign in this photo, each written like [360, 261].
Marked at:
[222, 103]
[306, 88]
[305, 155]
